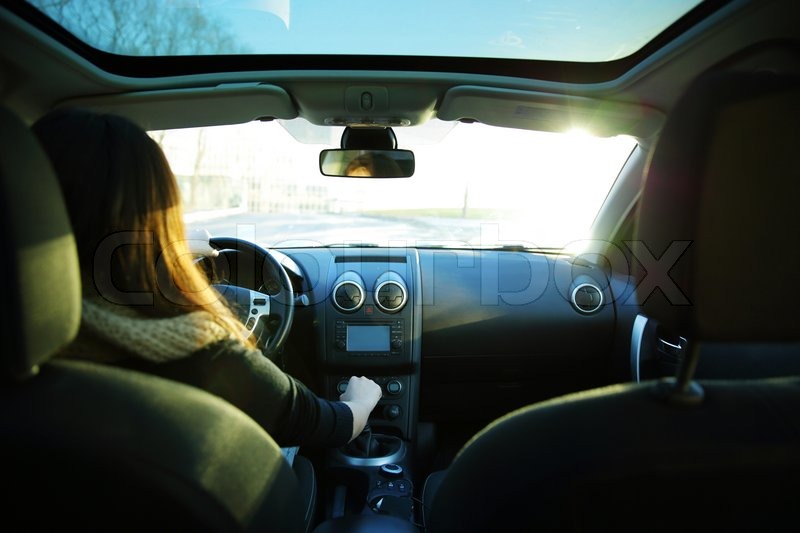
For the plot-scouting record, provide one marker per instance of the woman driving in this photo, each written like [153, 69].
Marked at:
[148, 307]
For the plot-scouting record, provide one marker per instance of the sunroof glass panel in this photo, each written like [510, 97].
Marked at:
[555, 30]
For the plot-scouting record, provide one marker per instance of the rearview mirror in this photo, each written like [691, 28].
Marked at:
[367, 163]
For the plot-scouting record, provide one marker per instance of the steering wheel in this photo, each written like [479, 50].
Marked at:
[266, 304]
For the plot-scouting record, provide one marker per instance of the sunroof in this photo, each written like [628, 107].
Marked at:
[553, 30]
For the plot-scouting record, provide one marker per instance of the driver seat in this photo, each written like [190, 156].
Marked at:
[94, 447]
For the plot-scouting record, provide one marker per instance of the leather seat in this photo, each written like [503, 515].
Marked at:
[93, 447]
[724, 180]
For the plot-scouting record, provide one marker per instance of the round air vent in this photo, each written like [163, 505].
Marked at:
[586, 298]
[348, 296]
[390, 296]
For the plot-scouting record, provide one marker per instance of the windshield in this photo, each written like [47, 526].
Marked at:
[474, 186]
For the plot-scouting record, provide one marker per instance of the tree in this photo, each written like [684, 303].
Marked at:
[198, 160]
[144, 27]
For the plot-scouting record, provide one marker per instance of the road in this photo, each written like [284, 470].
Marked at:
[329, 229]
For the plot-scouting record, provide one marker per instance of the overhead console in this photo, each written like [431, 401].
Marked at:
[371, 325]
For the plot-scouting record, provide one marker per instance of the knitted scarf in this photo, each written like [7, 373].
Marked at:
[153, 339]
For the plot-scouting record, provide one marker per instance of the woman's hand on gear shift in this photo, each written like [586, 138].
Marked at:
[361, 397]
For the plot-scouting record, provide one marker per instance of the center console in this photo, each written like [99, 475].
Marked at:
[372, 327]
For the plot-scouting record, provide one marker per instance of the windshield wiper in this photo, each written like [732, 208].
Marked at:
[507, 247]
[438, 245]
[520, 247]
[355, 245]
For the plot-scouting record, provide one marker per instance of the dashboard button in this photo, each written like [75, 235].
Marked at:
[391, 412]
[394, 387]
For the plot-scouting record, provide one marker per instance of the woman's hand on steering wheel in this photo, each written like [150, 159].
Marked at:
[257, 309]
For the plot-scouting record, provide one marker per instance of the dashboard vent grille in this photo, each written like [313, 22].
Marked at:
[348, 296]
[587, 298]
[391, 296]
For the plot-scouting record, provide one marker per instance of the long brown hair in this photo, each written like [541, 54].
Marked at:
[126, 212]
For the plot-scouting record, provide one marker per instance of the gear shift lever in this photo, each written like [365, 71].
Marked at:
[363, 445]
[374, 448]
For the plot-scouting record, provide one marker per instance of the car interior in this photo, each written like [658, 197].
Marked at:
[641, 374]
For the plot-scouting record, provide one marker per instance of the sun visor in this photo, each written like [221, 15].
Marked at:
[549, 112]
[195, 107]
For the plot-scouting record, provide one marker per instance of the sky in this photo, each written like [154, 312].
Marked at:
[580, 30]
[568, 30]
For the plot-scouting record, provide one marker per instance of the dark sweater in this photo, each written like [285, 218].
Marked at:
[284, 407]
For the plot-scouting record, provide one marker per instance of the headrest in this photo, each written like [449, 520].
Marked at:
[717, 235]
[41, 295]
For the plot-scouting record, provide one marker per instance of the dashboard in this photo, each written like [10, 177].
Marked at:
[452, 334]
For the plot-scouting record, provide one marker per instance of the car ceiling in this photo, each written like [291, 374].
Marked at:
[37, 72]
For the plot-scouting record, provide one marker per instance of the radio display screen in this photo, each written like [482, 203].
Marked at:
[368, 338]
